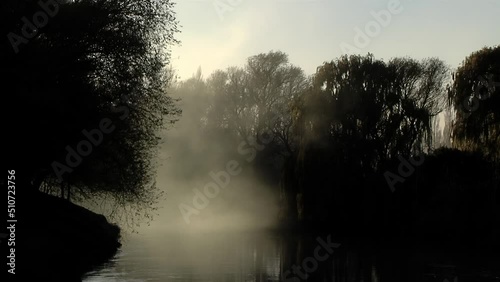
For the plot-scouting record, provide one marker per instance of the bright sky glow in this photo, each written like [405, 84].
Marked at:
[221, 33]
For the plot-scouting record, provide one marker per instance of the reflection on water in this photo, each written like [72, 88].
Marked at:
[194, 257]
[267, 257]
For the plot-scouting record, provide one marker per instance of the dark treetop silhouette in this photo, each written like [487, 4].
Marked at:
[91, 84]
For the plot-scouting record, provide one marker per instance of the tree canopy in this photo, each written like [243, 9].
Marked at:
[91, 85]
[475, 97]
[371, 111]
[339, 133]
[256, 100]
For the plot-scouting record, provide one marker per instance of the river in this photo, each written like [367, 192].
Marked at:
[261, 256]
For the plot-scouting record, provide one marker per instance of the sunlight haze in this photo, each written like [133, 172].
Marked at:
[311, 31]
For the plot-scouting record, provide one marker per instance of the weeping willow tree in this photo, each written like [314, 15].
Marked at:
[372, 110]
[475, 97]
[360, 114]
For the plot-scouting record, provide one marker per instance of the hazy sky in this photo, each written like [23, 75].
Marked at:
[221, 33]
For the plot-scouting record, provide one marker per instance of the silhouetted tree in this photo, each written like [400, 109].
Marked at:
[255, 100]
[91, 84]
[475, 97]
[360, 114]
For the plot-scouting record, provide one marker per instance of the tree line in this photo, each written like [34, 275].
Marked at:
[336, 133]
[91, 77]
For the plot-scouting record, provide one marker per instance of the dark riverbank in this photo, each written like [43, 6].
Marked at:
[64, 241]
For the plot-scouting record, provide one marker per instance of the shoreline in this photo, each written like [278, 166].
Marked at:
[65, 241]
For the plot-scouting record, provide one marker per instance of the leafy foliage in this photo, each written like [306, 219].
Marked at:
[475, 96]
[95, 61]
[370, 111]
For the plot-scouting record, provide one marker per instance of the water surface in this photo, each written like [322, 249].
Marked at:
[261, 256]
